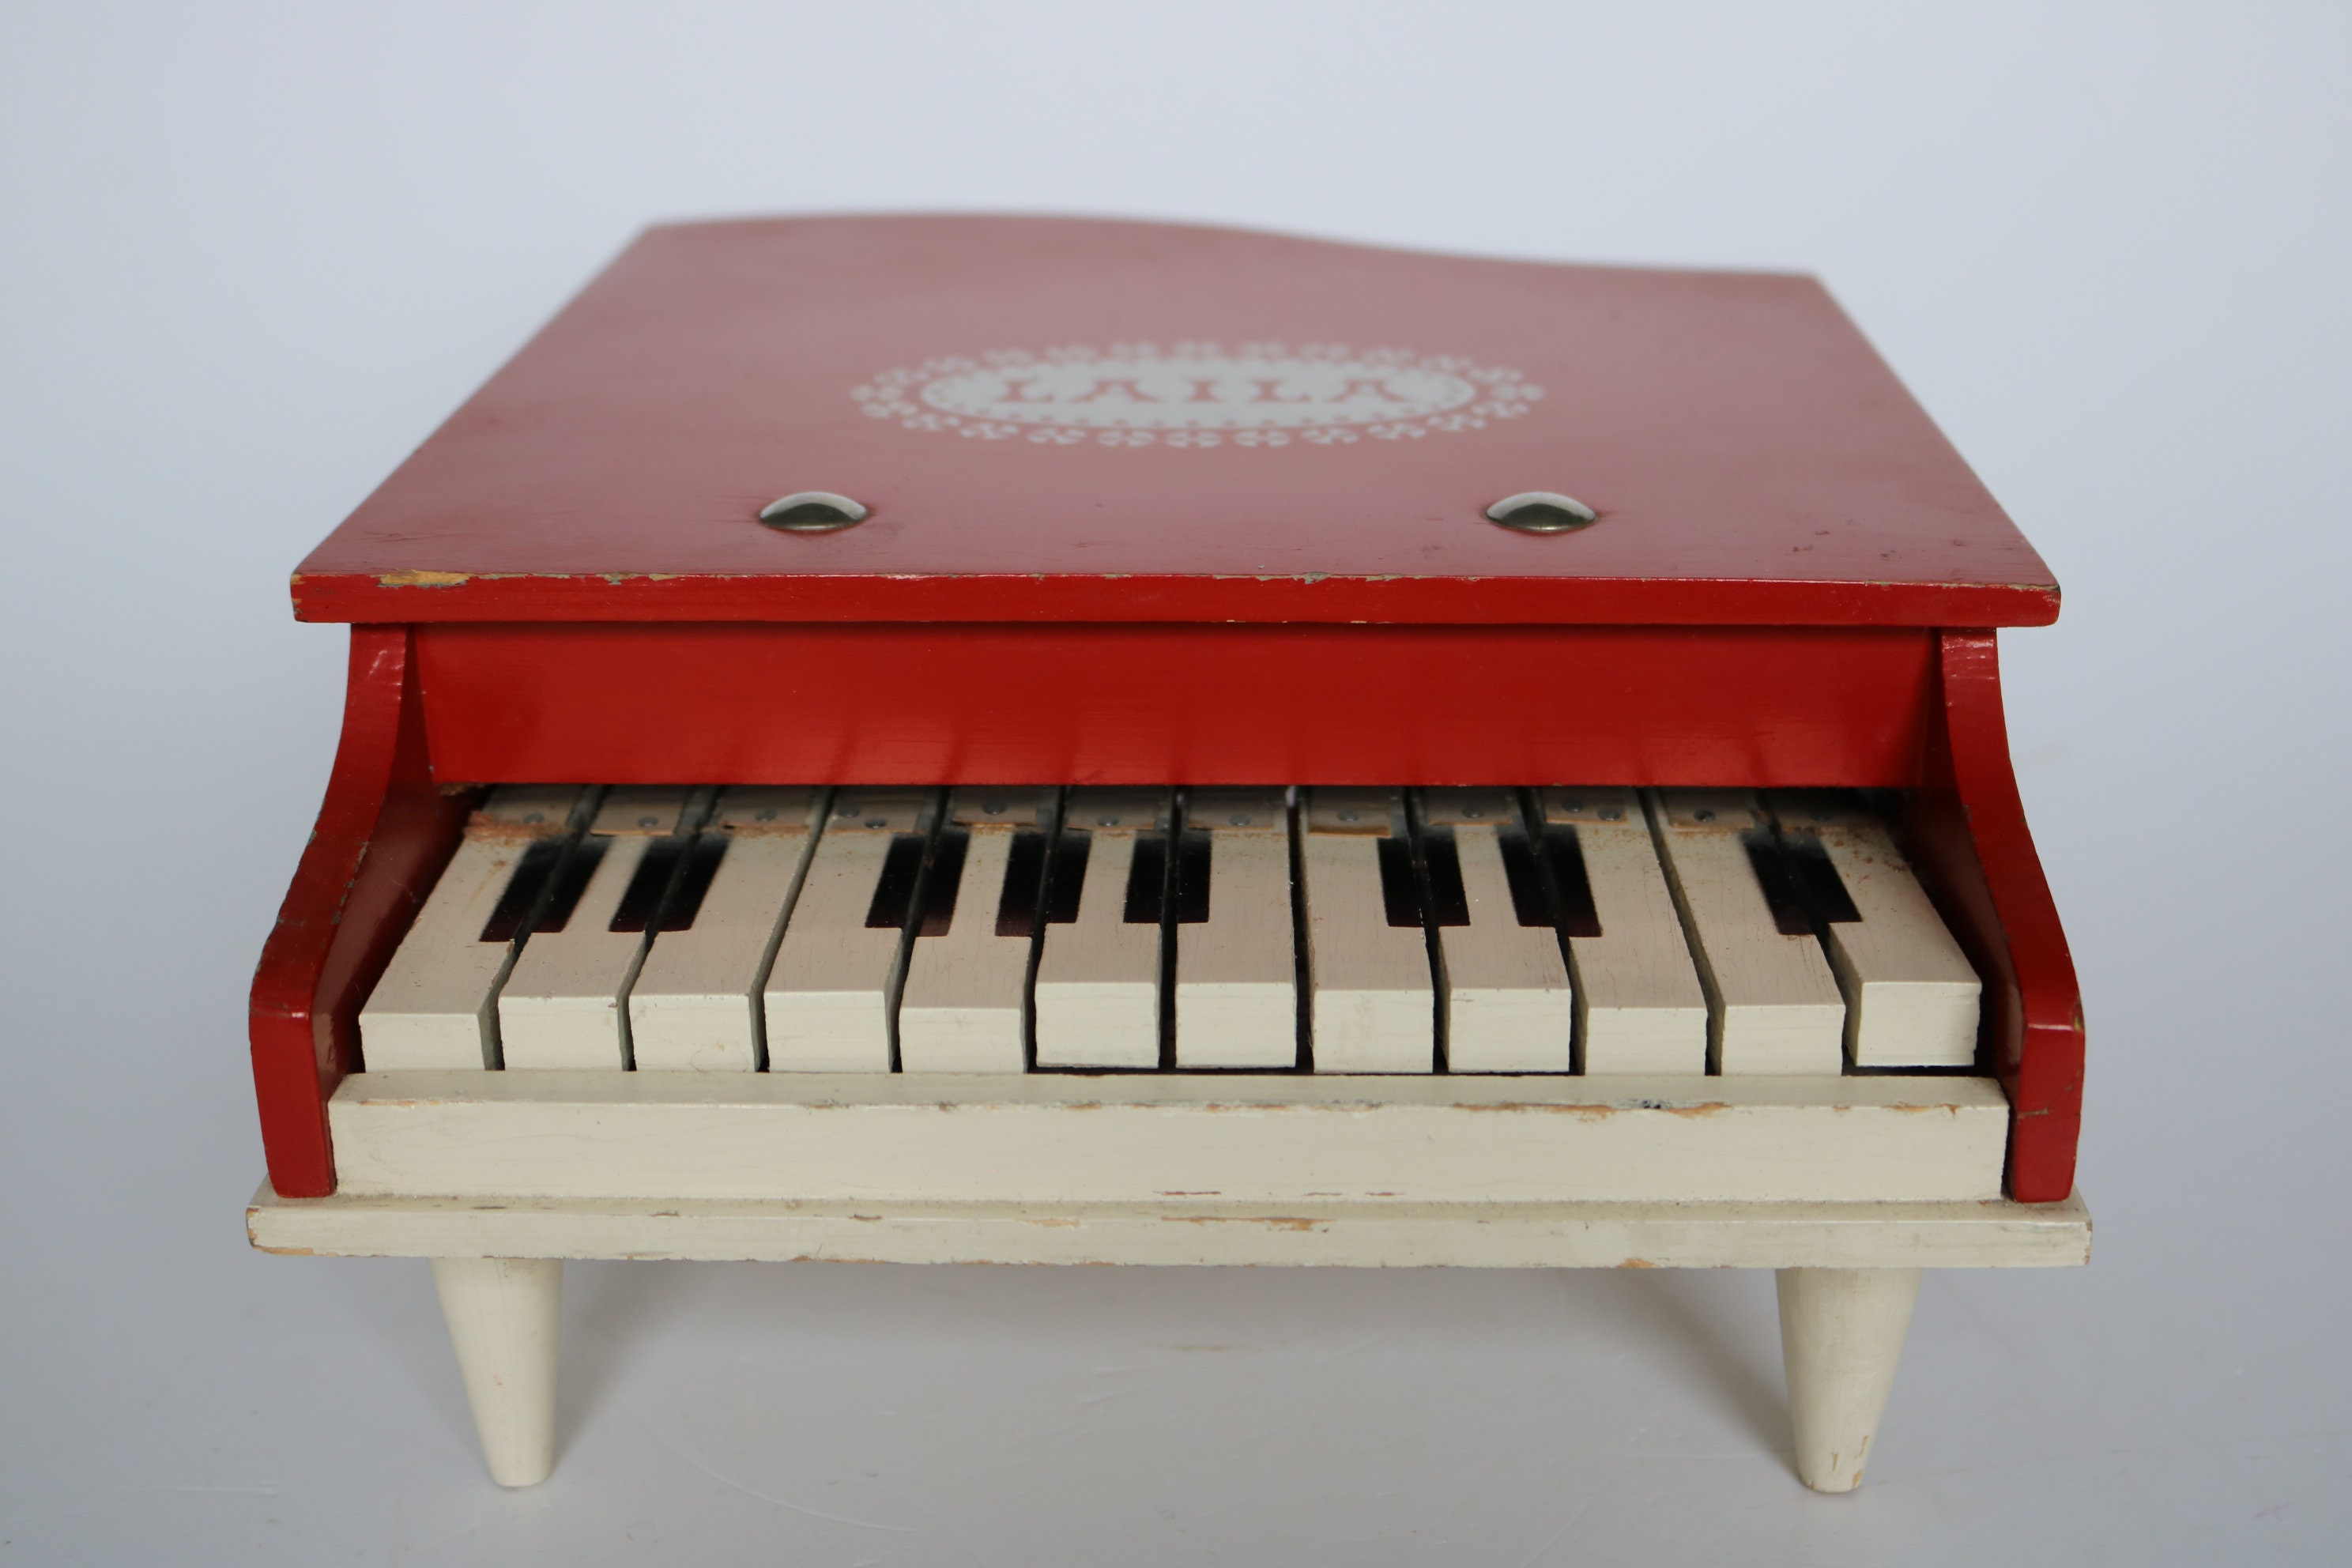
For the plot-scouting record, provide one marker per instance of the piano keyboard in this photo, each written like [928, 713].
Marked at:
[1606, 932]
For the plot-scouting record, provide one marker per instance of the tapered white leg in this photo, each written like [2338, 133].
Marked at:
[502, 1321]
[1840, 1339]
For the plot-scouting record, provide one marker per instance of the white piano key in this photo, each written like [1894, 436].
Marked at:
[1097, 991]
[696, 1003]
[563, 1004]
[1775, 1005]
[960, 1009]
[436, 1005]
[1372, 1007]
[1911, 996]
[1640, 1007]
[833, 990]
[1508, 1004]
[1236, 969]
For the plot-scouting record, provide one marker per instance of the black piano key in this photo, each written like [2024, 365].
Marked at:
[894, 890]
[1523, 873]
[1147, 879]
[569, 881]
[1065, 880]
[1790, 917]
[1449, 902]
[1191, 878]
[1572, 889]
[1024, 885]
[1400, 890]
[523, 890]
[642, 900]
[942, 879]
[1817, 881]
[686, 895]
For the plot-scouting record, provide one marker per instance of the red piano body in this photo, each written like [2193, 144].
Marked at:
[1163, 504]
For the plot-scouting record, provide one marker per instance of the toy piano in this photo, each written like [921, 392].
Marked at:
[1008, 740]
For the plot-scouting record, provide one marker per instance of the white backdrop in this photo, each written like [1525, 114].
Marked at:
[249, 256]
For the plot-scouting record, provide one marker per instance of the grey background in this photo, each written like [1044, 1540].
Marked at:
[249, 257]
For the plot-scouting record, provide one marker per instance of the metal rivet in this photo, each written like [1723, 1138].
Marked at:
[812, 511]
[1349, 815]
[1701, 815]
[1612, 814]
[1239, 819]
[647, 821]
[878, 822]
[767, 815]
[1106, 822]
[1542, 511]
[530, 817]
[992, 808]
[846, 811]
[1474, 811]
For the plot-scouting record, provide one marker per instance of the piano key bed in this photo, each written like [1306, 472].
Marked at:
[1558, 994]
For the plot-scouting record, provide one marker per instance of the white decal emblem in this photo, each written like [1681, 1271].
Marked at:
[1197, 394]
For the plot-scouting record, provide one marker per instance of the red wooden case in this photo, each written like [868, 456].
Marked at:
[1162, 504]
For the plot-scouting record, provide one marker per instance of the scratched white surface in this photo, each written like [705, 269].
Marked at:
[252, 257]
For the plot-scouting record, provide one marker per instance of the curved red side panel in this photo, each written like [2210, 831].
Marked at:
[1969, 834]
[382, 835]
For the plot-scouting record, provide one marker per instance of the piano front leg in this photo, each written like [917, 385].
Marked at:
[1842, 1332]
[502, 1314]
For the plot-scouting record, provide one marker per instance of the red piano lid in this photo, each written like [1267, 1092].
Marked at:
[1068, 420]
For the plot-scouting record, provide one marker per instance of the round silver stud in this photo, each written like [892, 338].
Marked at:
[1701, 815]
[812, 511]
[1542, 511]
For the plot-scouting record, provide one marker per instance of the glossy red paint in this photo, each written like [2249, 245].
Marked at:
[963, 703]
[383, 836]
[1752, 459]
[1969, 837]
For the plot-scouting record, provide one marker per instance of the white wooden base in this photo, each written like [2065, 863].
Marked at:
[1849, 1271]
[1996, 1234]
[502, 1314]
[1842, 1332]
